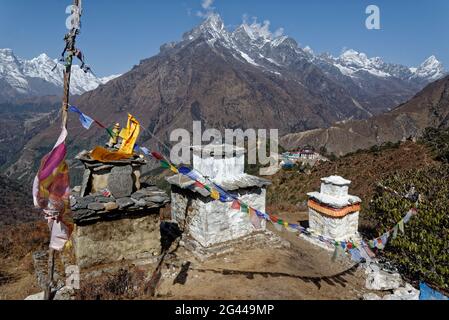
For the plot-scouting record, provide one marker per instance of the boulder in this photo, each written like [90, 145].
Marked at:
[383, 280]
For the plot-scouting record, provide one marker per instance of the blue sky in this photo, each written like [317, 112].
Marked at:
[118, 34]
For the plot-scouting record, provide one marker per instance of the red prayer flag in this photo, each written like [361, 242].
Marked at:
[235, 205]
[199, 185]
[157, 156]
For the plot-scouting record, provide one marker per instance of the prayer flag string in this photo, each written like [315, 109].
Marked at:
[358, 252]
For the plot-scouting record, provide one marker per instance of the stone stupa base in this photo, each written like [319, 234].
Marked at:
[248, 242]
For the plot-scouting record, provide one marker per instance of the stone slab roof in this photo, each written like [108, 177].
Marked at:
[336, 180]
[97, 207]
[243, 181]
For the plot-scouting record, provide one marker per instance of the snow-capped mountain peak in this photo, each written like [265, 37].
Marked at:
[212, 28]
[431, 69]
[43, 75]
[256, 44]
[351, 62]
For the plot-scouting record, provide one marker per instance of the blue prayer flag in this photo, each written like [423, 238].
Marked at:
[85, 120]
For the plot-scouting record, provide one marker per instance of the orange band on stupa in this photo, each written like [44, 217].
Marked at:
[333, 212]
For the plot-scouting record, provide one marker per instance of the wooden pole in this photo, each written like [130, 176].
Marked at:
[64, 115]
[50, 275]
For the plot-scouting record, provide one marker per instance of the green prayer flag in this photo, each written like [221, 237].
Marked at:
[111, 134]
[395, 232]
[165, 164]
[401, 226]
[244, 208]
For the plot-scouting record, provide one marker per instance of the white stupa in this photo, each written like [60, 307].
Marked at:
[333, 213]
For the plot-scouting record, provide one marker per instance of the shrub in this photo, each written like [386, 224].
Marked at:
[423, 252]
[438, 141]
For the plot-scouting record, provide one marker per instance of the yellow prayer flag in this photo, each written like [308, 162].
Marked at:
[214, 194]
[129, 135]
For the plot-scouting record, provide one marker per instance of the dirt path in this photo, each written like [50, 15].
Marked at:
[302, 272]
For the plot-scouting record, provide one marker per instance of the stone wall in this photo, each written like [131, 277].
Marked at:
[336, 228]
[211, 222]
[105, 242]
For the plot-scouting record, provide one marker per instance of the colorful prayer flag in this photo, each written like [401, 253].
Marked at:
[355, 255]
[165, 164]
[235, 205]
[214, 194]
[401, 226]
[110, 133]
[385, 238]
[199, 185]
[145, 151]
[51, 193]
[379, 244]
[173, 169]
[85, 120]
[157, 155]
[129, 135]
[184, 170]
[408, 216]
[395, 232]
[291, 228]
[277, 226]
[255, 220]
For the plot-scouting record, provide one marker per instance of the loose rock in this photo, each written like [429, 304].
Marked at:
[382, 280]
[111, 206]
[96, 206]
[124, 203]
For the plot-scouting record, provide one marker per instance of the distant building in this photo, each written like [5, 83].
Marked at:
[302, 154]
